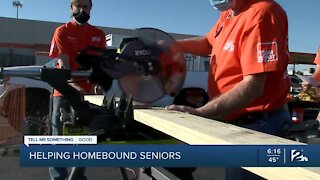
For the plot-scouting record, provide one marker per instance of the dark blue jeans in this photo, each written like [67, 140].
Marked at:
[61, 173]
[269, 124]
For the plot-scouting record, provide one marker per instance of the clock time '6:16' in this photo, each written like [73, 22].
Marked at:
[275, 151]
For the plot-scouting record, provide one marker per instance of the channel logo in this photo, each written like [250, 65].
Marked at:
[298, 156]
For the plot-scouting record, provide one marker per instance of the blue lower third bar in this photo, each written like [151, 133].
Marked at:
[170, 155]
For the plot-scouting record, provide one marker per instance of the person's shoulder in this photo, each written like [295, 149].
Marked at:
[259, 10]
[62, 28]
[266, 6]
[96, 30]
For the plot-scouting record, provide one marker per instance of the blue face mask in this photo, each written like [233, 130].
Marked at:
[221, 5]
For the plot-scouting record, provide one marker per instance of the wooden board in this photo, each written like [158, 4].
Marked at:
[196, 130]
[201, 131]
[94, 99]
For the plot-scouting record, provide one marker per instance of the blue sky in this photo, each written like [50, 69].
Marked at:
[177, 16]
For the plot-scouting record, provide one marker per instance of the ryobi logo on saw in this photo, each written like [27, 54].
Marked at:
[142, 52]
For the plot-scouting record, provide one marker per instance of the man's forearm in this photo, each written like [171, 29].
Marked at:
[197, 46]
[250, 88]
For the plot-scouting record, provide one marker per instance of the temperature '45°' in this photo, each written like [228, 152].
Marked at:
[273, 159]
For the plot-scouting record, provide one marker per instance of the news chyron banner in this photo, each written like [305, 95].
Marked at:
[58, 151]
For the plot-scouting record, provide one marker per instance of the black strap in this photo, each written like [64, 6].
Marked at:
[253, 117]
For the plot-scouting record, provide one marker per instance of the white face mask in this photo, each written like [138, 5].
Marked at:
[221, 5]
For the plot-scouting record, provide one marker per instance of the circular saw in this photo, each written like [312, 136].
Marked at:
[148, 65]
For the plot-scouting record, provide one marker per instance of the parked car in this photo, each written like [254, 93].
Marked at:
[295, 84]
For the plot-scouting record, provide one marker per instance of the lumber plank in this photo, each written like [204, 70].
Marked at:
[196, 130]
[285, 173]
[94, 99]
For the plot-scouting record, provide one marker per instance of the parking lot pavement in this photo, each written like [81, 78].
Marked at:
[10, 170]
